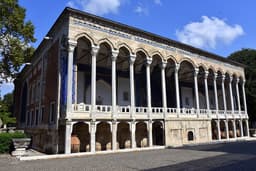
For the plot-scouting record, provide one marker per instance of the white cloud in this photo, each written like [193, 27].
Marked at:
[141, 10]
[209, 32]
[158, 2]
[98, 7]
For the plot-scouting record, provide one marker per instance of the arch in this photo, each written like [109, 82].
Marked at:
[119, 46]
[212, 69]
[85, 35]
[107, 41]
[171, 57]
[230, 129]
[157, 53]
[190, 136]
[103, 136]
[219, 70]
[205, 68]
[123, 135]
[141, 134]
[80, 131]
[223, 129]
[143, 51]
[189, 61]
[158, 133]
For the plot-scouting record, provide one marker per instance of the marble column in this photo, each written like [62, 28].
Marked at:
[94, 53]
[71, 47]
[241, 127]
[133, 136]
[93, 137]
[206, 90]
[176, 74]
[68, 137]
[148, 62]
[150, 137]
[244, 97]
[216, 92]
[218, 127]
[196, 90]
[223, 93]
[231, 94]
[234, 128]
[114, 135]
[114, 57]
[238, 96]
[227, 129]
[132, 91]
[164, 87]
[247, 127]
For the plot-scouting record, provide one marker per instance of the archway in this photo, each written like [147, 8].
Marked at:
[186, 83]
[141, 134]
[81, 131]
[158, 133]
[123, 135]
[140, 79]
[156, 83]
[238, 128]
[170, 84]
[82, 63]
[231, 129]
[214, 130]
[103, 137]
[245, 128]
[223, 129]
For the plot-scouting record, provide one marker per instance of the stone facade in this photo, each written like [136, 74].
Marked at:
[95, 84]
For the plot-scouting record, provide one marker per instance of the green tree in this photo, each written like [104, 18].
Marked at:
[16, 35]
[6, 109]
[248, 58]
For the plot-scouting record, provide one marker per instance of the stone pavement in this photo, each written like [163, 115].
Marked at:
[225, 156]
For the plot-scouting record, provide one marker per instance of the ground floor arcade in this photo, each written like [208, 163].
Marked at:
[88, 136]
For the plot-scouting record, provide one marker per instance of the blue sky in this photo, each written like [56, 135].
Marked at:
[218, 26]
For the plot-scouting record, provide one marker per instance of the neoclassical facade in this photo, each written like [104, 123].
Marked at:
[95, 84]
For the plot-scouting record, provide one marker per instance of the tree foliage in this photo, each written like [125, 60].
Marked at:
[16, 35]
[6, 109]
[248, 58]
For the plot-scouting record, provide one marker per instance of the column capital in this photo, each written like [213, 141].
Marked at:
[164, 64]
[71, 45]
[177, 67]
[196, 71]
[223, 77]
[206, 73]
[132, 59]
[237, 80]
[230, 79]
[149, 61]
[94, 50]
[215, 75]
[114, 55]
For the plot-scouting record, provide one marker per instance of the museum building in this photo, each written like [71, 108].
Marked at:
[95, 84]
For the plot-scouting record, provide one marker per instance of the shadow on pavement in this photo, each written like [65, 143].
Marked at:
[243, 147]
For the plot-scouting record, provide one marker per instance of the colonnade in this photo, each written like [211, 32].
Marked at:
[114, 55]
[135, 139]
[224, 126]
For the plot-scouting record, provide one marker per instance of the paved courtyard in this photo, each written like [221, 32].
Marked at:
[225, 156]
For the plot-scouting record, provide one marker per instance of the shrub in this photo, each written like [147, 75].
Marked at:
[6, 140]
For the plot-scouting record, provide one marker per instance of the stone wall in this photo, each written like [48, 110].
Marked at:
[178, 131]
